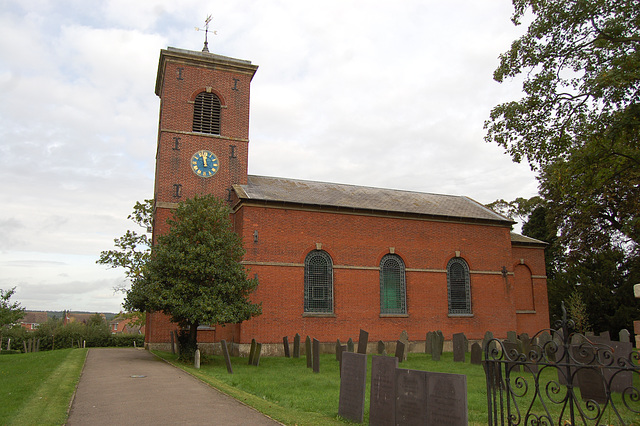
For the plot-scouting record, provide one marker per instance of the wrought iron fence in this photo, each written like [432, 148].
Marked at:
[562, 378]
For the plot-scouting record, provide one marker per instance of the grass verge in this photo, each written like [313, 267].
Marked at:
[35, 388]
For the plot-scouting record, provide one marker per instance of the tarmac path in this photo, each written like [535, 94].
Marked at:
[127, 386]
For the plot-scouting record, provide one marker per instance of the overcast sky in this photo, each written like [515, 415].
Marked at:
[378, 93]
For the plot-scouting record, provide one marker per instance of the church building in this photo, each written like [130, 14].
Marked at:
[332, 259]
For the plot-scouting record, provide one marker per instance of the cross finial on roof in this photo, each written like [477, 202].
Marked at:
[206, 32]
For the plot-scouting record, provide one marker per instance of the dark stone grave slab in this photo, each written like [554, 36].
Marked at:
[458, 347]
[428, 343]
[350, 345]
[399, 350]
[447, 399]
[512, 336]
[487, 338]
[476, 354]
[296, 346]
[175, 332]
[316, 356]
[605, 335]
[353, 385]
[342, 350]
[225, 353]
[382, 397]
[526, 344]
[437, 345]
[411, 397]
[404, 338]
[308, 352]
[285, 343]
[589, 376]
[252, 351]
[620, 380]
[381, 348]
[624, 336]
[511, 353]
[256, 355]
[338, 345]
[363, 340]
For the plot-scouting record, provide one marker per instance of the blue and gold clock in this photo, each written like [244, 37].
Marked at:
[204, 163]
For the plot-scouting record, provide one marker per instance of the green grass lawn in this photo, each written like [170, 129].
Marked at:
[288, 391]
[36, 388]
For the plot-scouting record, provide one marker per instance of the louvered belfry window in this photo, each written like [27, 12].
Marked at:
[318, 283]
[206, 114]
[392, 285]
[458, 287]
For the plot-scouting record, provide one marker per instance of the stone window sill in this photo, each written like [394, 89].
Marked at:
[317, 315]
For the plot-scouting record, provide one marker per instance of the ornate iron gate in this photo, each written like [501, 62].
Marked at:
[562, 378]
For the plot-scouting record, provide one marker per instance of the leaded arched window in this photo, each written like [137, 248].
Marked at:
[206, 113]
[318, 282]
[459, 290]
[393, 295]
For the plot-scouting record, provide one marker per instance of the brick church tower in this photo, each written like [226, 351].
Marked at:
[203, 135]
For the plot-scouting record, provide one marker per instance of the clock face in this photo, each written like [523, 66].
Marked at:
[204, 163]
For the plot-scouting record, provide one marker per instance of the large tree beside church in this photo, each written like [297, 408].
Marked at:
[578, 126]
[194, 273]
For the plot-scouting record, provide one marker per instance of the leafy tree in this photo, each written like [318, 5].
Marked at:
[195, 273]
[132, 249]
[10, 313]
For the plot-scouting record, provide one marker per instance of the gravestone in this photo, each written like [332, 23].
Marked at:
[353, 385]
[342, 350]
[225, 353]
[404, 338]
[256, 355]
[285, 343]
[544, 340]
[382, 397]
[252, 351]
[308, 353]
[447, 399]
[512, 336]
[526, 344]
[350, 345]
[458, 347]
[173, 343]
[428, 342]
[399, 351]
[381, 348]
[512, 353]
[476, 354]
[411, 397]
[437, 345]
[196, 359]
[363, 340]
[316, 356]
[338, 345]
[485, 342]
[175, 332]
[625, 336]
[590, 381]
[620, 380]
[296, 346]
[605, 335]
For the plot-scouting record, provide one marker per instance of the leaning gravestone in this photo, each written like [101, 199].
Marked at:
[625, 336]
[225, 353]
[437, 345]
[458, 347]
[196, 359]
[404, 338]
[342, 350]
[428, 342]
[476, 354]
[363, 340]
[316, 356]
[350, 345]
[296, 346]
[173, 343]
[252, 351]
[338, 345]
[382, 397]
[285, 344]
[353, 385]
[256, 355]
[308, 353]
[399, 351]
[381, 348]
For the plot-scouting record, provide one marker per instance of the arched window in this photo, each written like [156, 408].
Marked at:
[458, 286]
[318, 282]
[206, 114]
[393, 298]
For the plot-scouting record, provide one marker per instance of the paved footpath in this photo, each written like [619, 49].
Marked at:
[131, 386]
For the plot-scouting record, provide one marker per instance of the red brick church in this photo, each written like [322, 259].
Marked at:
[332, 258]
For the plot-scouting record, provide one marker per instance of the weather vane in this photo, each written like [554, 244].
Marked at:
[206, 32]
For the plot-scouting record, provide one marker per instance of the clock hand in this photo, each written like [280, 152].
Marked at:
[204, 159]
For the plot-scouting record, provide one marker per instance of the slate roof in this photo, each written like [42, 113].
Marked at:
[526, 241]
[362, 198]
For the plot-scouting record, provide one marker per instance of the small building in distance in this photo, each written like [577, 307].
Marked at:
[32, 320]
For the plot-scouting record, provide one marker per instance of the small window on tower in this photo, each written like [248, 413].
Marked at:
[206, 114]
